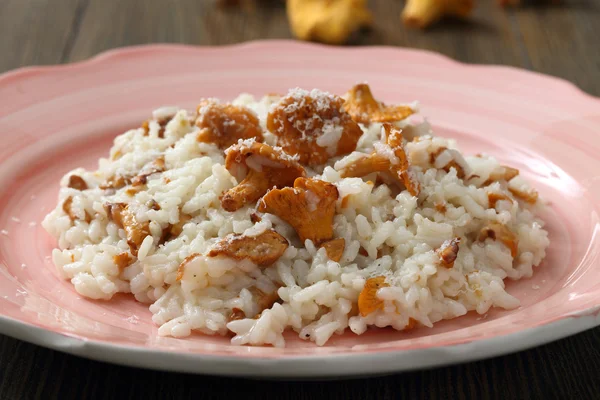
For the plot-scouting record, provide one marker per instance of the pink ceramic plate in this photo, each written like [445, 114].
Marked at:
[53, 119]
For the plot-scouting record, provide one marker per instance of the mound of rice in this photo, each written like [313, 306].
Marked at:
[387, 233]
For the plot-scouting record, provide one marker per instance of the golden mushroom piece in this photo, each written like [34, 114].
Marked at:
[327, 21]
[497, 231]
[335, 249]
[225, 124]
[262, 250]
[501, 173]
[448, 252]
[257, 167]
[363, 107]
[368, 302]
[313, 125]
[125, 218]
[309, 207]
[423, 13]
[392, 159]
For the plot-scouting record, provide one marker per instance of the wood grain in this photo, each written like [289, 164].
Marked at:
[36, 32]
[559, 40]
[562, 40]
[487, 38]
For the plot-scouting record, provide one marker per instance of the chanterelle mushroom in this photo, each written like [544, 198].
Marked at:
[156, 166]
[494, 198]
[162, 116]
[448, 252]
[262, 250]
[125, 218]
[225, 124]
[77, 182]
[422, 13]
[313, 125]
[496, 231]
[335, 248]
[529, 195]
[258, 167]
[516, 185]
[445, 159]
[331, 21]
[363, 107]
[309, 207]
[501, 173]
[368, 301]
[391, 158]
[67, 208]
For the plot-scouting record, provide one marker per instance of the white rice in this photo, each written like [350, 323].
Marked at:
[398, 232]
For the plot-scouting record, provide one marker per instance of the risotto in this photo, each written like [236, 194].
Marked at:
[307, 212]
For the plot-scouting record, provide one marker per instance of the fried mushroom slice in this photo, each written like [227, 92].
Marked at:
[516, 185]
[236, 314]
[390, 157]
[335, 249]
[530, 195]
[363, 108]
[445, 158]
[262, 250]
[154, 167]
[402, 169]
[366, 165]
[257, 167]
[181, 269]
[494, 198]
[264, 300]
[122, 260]
[162, 116]
[172, 231]
[368, 302]
[124, 217]
[67, 208]
[313, 125]
[77, 182]
[225, 124]
[448, 252]
[331, 21]
[501, 173]
[309, 207]
[176, 229]
[522, 191]
[497, 231]
[115, 182]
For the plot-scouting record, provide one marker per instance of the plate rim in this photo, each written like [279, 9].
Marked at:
[119, 52]
[296, 366]
[303, 367]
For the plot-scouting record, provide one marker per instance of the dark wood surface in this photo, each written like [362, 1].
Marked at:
[560, 40]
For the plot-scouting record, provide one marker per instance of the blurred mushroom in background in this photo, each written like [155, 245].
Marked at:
[335, 21]
[329, 21]
[423, 13]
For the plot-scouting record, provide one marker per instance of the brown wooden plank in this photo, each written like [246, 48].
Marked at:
[486, 38]
[562, 40]
[35, 32]
[113, 23]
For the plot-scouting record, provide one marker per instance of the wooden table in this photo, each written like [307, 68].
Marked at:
[561, 40]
